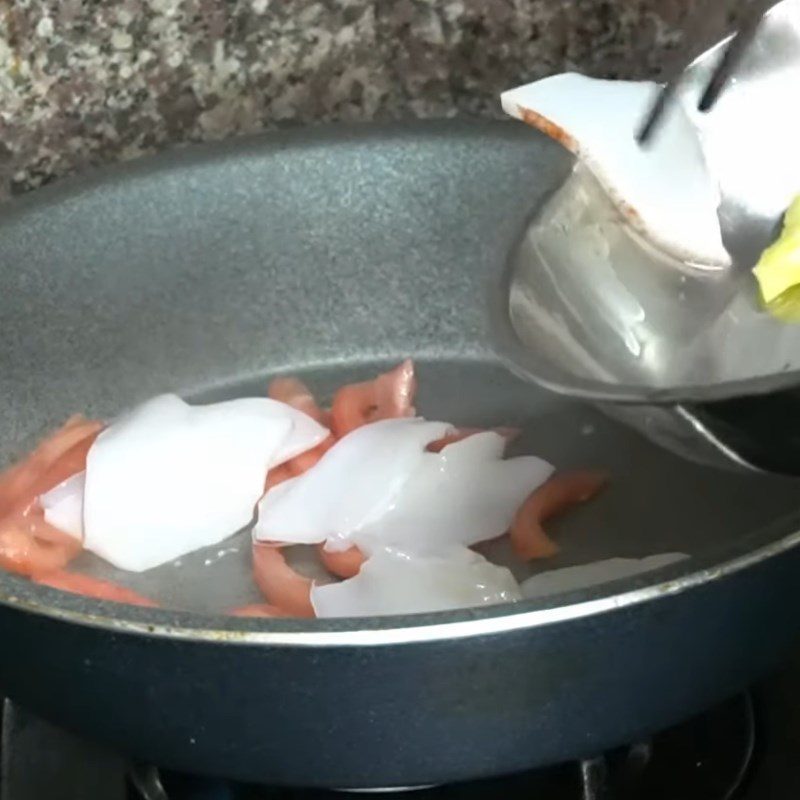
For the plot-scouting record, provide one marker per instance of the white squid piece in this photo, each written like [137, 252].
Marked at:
[352, 485]
[169, 478]
[304, 434]
[665, 190]
[63, 505]
[392, 582]
[464, 495]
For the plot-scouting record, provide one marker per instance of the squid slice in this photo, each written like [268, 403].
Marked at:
[392, 582]
[353, 484]
[465, 494]
[305, 434]
[665, 190]
[168, 478]
[63, 505]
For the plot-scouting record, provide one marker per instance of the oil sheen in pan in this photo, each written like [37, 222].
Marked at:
[652, 505]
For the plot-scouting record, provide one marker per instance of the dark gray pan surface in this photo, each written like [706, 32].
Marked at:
[331, 253]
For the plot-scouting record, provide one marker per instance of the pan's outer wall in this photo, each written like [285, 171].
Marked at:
[405, 714]
[183, 271]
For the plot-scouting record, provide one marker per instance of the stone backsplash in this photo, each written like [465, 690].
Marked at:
[86, 82]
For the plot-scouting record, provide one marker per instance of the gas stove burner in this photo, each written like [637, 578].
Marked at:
[706, 758]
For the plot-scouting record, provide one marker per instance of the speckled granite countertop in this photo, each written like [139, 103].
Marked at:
[84, 82]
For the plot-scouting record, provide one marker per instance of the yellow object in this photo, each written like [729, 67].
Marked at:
[778, 269]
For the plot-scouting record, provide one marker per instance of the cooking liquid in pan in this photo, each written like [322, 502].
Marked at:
[656, 502]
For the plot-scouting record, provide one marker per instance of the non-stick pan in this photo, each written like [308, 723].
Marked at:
[331, 253]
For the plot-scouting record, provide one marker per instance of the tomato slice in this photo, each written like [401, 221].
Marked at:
[259, 610]
[76, 583]
[342, 563]
[29, 546]
[277, 475]
[56, 458]
[555, 496]
[300, 464]
[389, 396]
[295, 393]
[279, 583]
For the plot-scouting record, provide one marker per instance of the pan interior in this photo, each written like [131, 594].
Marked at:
[656, 503]
[329, 255]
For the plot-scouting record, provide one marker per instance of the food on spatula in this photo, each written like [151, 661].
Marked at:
[778, 269]
[663, 190]
[390, 502]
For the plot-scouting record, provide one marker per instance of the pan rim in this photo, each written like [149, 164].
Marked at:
[21, 595]
[405, 629]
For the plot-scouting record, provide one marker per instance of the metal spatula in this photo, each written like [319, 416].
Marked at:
[588, 309]
[732, 52]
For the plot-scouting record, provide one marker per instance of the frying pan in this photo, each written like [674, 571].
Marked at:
[331, 253]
